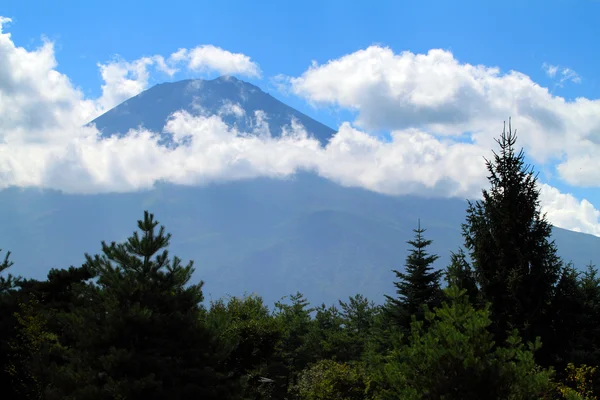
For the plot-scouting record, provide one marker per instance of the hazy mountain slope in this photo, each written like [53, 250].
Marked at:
[267, 236]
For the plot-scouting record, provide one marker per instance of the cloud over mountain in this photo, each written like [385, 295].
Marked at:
[424, 100]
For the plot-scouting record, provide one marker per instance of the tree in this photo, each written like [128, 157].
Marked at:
[455, 357]
[418, 286]
[252, 336]
[326, 338]
[515, 263]
[7, 282]
[143, 334]
[294, 351]
[567, 314]
[460, 274]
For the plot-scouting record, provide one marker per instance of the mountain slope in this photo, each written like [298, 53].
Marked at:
[268, 236]
[152, 107]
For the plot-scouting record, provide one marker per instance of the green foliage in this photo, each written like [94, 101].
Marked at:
[330, 380]
[586, 349]
[460, 274]
[418, 286]
[251, 337]
[6, 282]
[30, 350]
[456, 358]
[578, 383]
[515, 262]
[142, 335]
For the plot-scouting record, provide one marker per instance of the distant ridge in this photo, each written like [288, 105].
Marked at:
[152, 107]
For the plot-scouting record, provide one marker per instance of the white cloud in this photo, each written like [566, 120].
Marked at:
[436, 92]
[43, 144]
[565, 211]
[210, 58]
[229, 108]
[123, 80]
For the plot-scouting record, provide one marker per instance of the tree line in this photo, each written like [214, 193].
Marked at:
[507, 319]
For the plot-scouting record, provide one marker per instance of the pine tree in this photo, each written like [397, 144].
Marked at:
[146, 337]
[516, 264]
[418, 286]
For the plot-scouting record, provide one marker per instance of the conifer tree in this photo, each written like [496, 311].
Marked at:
[455, 357]
[460, 274]
[418, 286]
[515, 262]
[6, 282]
[147, 338]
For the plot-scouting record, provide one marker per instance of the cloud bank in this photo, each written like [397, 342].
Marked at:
[436, 92]
[43, 143]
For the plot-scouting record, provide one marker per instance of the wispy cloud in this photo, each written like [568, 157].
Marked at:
[562, 74]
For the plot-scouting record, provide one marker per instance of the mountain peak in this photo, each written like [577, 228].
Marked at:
[152, 108]
[227, 78]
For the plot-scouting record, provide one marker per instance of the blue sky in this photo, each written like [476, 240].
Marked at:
[285, 37]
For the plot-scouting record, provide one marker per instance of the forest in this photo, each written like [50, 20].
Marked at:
[507, 319]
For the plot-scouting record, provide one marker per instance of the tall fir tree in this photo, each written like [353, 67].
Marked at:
[508, 238]
[419, 286]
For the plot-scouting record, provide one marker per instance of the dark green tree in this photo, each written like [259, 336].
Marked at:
[358, 317]
[566, 312]
[294, 351]
[419, 285]
[460, 274]
[508, 238]
[455, 357]
[7, 281]
[143, 335]
[326, 338]
[251, 335]
[587, 347]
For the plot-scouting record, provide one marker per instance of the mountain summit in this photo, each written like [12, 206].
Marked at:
[152, 107]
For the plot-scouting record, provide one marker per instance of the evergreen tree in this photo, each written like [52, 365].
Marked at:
[146, 337]
[326, 338]
[515, 263]
[358, 317]
[7, 282]
[455, 357]
[294, 351]
[566, 318]
[418, 286]
[251, 334]
[460, 274]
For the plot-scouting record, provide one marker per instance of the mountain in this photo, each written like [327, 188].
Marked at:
[152, 107]
[268, 236]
